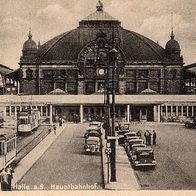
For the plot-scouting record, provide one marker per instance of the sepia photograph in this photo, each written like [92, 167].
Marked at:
[98, 95]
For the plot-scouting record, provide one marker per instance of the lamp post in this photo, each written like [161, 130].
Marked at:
[113, 55]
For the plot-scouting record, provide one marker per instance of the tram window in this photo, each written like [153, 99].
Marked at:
[23, 121]
[10, 145]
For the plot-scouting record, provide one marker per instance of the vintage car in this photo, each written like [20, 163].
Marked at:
[131, 142]
[123, 127]
[93, 131]
[126, 142]
[133, 148]
[129, 134]
[190, 123]
[95, 124]
[143, 157]
[92, 144]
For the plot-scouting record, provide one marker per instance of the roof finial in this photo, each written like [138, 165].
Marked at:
[172, 27]
[30, 35]
[99, 6]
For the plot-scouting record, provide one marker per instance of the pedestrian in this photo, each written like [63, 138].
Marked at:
[139, 134]
[146, 137]
[49, 130]
[154, 137]
[149, 138]
[10, 172]
[54, 129]
[4, 180]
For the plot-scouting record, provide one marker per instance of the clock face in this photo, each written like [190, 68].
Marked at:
[100, 71]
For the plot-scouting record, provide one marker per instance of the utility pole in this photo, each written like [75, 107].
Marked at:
[113, 54]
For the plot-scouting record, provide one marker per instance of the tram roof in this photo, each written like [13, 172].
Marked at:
[94, 99]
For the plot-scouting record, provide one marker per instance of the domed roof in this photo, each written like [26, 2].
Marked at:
[30, 44]
[172, 44]
[67, 46]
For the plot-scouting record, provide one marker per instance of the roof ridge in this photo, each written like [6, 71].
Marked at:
[140, 37]
[63, 35]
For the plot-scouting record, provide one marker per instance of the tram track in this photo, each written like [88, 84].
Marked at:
[27, 144]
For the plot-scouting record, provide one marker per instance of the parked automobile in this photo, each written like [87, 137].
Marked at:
[92, 131]
[122, 128]
[132, 142]
[129, 134]
[95, 123]
[126, 142]
[190, 123]
[133, 148]
[143, 157]
[92, 144]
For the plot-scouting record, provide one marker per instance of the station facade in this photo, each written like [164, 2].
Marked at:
[75, 64]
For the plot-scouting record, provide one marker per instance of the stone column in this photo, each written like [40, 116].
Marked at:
[41, 112]
[81, 114]
[128, 113]
[50, 114]
[187, 111]
[158, 113]
[171, 110]
[46, 111]
[155, 113]
[166, 114]
[192, 110]
[176, 110]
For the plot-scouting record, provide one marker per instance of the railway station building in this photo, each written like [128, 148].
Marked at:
[149, 79]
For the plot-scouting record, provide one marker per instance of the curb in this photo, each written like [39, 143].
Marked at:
[33, 156]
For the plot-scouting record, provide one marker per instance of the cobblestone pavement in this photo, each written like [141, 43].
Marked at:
[175, 154]
[65, 165]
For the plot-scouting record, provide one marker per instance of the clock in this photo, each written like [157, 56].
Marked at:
[101, 71]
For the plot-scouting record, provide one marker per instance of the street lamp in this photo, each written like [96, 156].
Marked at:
[113, 57]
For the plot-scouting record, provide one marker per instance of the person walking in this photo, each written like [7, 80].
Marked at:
[139, 134]
[146, 137]
[10, 172]
[54, 129]
[154, 137]
[4, 180]
[149, 138]
[49, 130]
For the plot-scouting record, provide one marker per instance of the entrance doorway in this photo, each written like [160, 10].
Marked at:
[142, 113]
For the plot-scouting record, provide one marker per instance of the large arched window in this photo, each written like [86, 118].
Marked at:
[94, 64]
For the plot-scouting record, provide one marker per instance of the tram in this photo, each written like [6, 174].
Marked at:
[7, 149]
[27, 121]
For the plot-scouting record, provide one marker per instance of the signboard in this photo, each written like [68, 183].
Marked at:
[112, 137]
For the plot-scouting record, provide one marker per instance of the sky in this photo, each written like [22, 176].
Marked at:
[48, 18]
